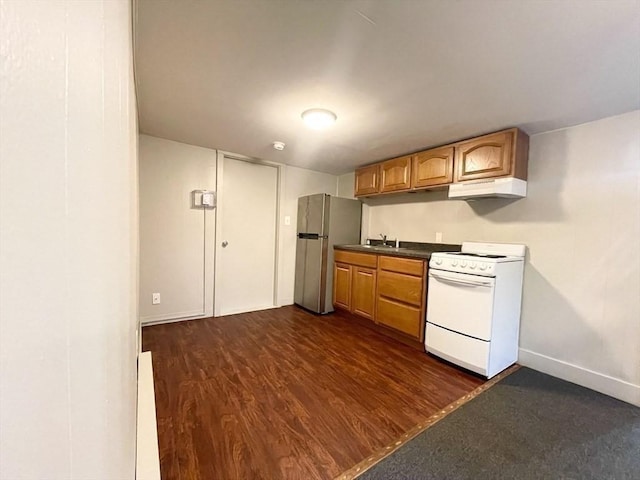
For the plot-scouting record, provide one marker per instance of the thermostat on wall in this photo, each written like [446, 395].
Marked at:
[204, 199]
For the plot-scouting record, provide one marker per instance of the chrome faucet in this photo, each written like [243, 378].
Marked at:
[384, 239]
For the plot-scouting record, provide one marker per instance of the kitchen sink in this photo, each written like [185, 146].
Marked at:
[381, 247]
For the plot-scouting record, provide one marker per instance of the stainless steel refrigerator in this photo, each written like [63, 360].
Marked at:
[323, 221]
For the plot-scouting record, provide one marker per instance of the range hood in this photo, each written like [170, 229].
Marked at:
[507, 187]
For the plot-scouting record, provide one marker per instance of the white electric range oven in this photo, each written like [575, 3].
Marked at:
[473, 306]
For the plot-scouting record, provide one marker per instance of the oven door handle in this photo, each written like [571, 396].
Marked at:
[470, 283]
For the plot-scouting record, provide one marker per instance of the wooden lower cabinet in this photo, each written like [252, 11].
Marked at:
[342, 286]
[363, 292]
[354, 282]
[402, 295]
[390, 291]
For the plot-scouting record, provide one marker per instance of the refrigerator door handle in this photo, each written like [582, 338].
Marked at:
[311, 236]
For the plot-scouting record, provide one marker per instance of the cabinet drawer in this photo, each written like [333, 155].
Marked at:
[404, 318]
[401, 287]
[355, 258]
[402, 265]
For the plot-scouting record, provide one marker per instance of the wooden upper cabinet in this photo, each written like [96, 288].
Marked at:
[432, 168]
[395, 175]
[367, 180]
[499, 154]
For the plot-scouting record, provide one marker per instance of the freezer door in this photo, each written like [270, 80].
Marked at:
[311, 273]
[303, 209]
[311, 213]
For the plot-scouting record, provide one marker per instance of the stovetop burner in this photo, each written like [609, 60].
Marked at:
[481, 255]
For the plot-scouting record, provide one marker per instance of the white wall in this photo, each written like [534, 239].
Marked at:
[581, 222]
[346, 184]
[296, 182]
[346, 189]
[68, 241]
[172, 259]
[176, 241]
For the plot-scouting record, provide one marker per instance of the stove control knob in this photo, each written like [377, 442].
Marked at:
[438, 261]
[454, 263]
[472, 265]
[463, 263]
[483, 266]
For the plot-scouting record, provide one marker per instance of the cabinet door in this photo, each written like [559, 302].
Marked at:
[342, 286]
[485, 157]
[363, 292]
[395, 175]
[432, 168]
[367, 180]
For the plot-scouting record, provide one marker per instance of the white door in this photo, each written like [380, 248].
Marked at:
[245, 270]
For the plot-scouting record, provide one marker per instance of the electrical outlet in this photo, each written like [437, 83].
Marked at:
[438, 237]
[287, 220]
[155, 298]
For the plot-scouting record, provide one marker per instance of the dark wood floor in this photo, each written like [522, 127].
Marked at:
[285, 394]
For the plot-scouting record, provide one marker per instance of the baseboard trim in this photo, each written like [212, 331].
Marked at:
[147, 454]
[236, 311]
[614, 387]
[172, 317]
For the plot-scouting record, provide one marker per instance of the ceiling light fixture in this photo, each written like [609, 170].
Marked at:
[278, 145]
[318, 118]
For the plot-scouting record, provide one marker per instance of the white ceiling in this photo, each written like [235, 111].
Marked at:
[401, 75]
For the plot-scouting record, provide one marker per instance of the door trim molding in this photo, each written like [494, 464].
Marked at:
[220, 156]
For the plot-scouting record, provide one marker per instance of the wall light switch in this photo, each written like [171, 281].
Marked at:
[208, 199]
[438, 237]
[155, 298]
[203, 199]
[287, 220]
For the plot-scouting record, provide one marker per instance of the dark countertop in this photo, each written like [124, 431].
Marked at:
[419, 250]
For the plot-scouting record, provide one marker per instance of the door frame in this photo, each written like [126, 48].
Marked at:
[221, 155]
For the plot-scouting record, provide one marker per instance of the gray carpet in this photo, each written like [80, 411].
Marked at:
[528, 426]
